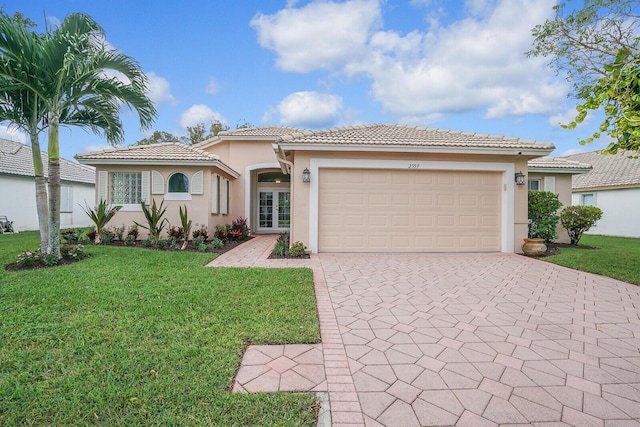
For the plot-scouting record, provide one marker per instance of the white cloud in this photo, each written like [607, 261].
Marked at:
[13, 134]
[212, 88]
[475, 63]
[309, 109]
[567, 117]
[160, 90]
[199, 113]
[319, 35]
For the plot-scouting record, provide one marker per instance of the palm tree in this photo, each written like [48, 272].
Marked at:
[21, 106]
[82, 83]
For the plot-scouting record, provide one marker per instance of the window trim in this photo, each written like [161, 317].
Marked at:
[536, 180]
[187, 191]
[593, 196]
[127, 206]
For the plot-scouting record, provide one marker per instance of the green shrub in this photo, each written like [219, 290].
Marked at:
[198, 240]
[578, 219]
[543, 214]
[217, 243]
[130, 240]
[107, 237]
[120, 232]
[70, 235]
[297, 250]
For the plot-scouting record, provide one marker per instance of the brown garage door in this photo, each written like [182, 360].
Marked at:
[409, 211]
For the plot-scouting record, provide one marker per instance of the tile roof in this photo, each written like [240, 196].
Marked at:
[16, 159]
[609, 170]
[403, 136]
[558, 163]
[160, 151]
[261, 131]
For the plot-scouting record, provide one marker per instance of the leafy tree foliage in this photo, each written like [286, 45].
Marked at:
[195, 134]
[65, 74]
[543, 214]
[158, 136]
[579, 219]
[597, 46]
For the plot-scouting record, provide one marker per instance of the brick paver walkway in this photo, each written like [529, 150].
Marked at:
[475, 340]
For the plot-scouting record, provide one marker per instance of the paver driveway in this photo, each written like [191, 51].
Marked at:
[474, 340]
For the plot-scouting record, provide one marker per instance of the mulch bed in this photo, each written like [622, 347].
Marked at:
[556, 248]
[305, 256]
[66, 261]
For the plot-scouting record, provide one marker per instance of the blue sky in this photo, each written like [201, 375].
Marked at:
[445, 64]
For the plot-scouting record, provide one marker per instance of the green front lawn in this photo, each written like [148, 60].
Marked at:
[138, 337]
[616, 257]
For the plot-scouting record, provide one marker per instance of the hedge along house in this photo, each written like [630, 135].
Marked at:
[370, 188]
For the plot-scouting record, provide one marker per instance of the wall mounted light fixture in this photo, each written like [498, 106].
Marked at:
[519, 178]
[306, 175]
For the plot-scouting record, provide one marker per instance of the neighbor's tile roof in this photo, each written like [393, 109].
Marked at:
[557, 163]
[402, 135]
[609, 170]
[261, 131]
[159, 151]
[16, 159]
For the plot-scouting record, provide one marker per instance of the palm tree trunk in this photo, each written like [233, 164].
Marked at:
[42, 205]
[54, 187]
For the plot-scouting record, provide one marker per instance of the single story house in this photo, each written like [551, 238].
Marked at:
[613, 185]
[18, 188]
[555, 174]
[368, 188]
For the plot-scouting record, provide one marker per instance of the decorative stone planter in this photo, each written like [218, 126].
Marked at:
[534, 247]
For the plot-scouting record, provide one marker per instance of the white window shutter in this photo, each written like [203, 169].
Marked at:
[224, 196]
[66, 198]
[197, 183]
[215, 183]
[228, 196]
[550, 183]
[103, 181]
[146, 187]
[157, 183]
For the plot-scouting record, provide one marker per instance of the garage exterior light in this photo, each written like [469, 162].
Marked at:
[519, 178]
[306, 175]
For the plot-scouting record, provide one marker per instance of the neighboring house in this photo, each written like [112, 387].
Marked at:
[613, 185]
[554, 174]
[370, 188]
[18, 193]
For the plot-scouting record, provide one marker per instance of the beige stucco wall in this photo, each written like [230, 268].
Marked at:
[563, 190]
[241, 155]
[301, 191]
[199, 207]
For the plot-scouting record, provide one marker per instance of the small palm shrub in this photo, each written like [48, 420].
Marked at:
[155, 220]
[100, 216]
[186, 226]
[579, 219]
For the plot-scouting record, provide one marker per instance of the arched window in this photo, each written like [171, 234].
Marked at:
[178, 183]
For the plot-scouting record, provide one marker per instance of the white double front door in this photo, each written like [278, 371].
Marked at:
[274, 210]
